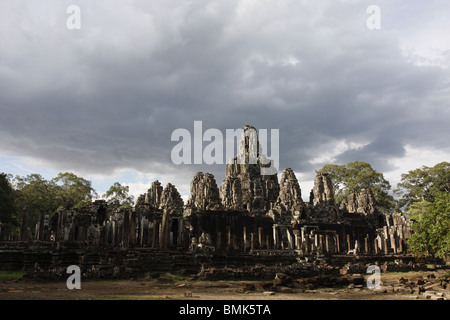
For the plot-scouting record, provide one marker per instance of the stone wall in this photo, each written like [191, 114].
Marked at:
[249, 211]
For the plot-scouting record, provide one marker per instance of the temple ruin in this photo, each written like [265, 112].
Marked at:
[248, 215]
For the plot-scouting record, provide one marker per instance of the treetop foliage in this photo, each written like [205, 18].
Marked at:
[358, 175]
[117, 196]
[423, 184]
[431, 237]
[8, 212]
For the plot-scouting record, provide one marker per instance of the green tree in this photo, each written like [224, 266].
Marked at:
[423, 184]
[117, 196]
[418, 209]
[358, 175]
[8, 213]
[431, 237]
[39, 196]
[72, 191]
[34, 190]
[36, 195]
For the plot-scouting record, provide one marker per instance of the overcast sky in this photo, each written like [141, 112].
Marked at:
[102, 101]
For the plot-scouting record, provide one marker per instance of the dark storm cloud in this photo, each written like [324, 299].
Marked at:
[109, 96]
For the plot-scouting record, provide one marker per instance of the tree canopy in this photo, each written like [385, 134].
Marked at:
[425, 197]
[431, 237]
[73, 191]
[423, 184]
[66, 190]
[358, 175]
[8, 212]
[117, 196]
[39, 196]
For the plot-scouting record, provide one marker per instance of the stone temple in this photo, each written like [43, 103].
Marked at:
[249, 219]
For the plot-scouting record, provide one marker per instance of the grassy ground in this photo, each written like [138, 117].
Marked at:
[10, 275]
[181, 288]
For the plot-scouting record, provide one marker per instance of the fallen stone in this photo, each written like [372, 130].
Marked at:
[402, 280]
[356, 279]
[404, 290]
[428, 294]
[311, 291]
[282, 279]
[420, 282]
[381, 289]
[343, 271]
[259, 287]
[285, 290]
[249, 287]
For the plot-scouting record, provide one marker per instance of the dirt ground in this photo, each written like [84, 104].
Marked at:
[172, 287]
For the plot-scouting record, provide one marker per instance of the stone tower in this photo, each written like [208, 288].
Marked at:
[322, 192]
[204, 193]
[257, 192]
[290, 194]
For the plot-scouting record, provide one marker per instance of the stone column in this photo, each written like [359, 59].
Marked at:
[260, 237]
[180, 232]
[23, 228]
[114, 233]
[321, 246]
[132, 236]
[275, 237]
[141, 231]
[316, 240]
[219, 240]
[393, 244]
[307, 251]
[125, 228]
[245, 239]
[338, 244]
[170, 238]
[349, 245]
[290, 240]
[150, 229]
[155, 233]
[386, 245]
[252, 239]
[164, 228]
[160, 234]
[366, 244]
[298, 241]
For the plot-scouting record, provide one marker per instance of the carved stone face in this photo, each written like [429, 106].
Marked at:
[333, 215]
